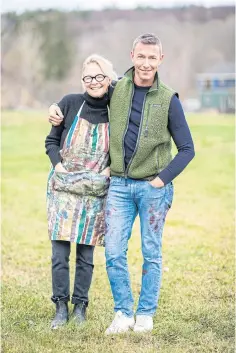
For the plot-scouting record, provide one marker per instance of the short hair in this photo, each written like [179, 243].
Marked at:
[147, 38]
[104, 64]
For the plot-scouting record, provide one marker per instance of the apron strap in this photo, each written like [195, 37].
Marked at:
[80, 109]
[72, 128]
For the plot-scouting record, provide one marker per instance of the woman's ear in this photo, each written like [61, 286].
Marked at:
[109, 84]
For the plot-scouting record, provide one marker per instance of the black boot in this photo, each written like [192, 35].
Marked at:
[79, 313]
[61, 316]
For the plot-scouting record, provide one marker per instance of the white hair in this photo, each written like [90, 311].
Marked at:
[104, 64]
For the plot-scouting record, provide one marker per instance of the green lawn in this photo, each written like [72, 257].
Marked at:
[196, 307]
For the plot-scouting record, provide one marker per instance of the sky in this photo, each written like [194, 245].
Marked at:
[23, 5]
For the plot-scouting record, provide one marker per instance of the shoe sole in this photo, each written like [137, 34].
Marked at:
[58, 326]
[121, 332]
[143, 331]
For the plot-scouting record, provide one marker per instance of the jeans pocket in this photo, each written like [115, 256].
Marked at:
[114, 180]
[169, 194]
[155, 187]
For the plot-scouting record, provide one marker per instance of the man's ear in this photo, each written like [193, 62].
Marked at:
[161, 59]
[132, 55]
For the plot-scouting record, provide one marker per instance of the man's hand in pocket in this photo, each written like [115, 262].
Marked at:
[157, 183]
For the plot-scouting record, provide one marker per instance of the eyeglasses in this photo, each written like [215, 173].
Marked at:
[98, 78]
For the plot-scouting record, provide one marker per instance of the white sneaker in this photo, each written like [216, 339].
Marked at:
[120, 324]
[144, 323]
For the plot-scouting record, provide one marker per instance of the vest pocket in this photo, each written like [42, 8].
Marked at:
[88, 183]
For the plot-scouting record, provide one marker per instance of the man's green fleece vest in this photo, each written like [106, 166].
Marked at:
[153, 148]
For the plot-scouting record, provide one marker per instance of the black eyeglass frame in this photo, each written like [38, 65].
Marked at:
[92, 77]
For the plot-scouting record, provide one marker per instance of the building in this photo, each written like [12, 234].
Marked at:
[216, 88]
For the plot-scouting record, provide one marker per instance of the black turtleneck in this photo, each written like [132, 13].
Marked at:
[94, 110]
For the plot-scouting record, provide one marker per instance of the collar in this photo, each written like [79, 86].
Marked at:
[96, 102]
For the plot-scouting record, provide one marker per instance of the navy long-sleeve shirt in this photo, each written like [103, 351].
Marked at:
[178, 129]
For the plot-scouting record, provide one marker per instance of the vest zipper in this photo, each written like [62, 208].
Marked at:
[146, 127]
[139, 133]
[126, 133]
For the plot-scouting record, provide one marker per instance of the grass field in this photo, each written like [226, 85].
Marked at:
[196, 307]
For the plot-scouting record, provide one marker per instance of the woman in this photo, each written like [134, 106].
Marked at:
[77, 186]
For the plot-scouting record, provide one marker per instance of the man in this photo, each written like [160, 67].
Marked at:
[144, 115]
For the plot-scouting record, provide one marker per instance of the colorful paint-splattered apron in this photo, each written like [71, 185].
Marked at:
[76, 200]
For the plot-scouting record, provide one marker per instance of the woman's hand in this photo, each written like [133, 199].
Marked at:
[60, 169]
[106, 172]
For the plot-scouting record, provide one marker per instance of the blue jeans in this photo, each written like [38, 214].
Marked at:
[125, 200]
